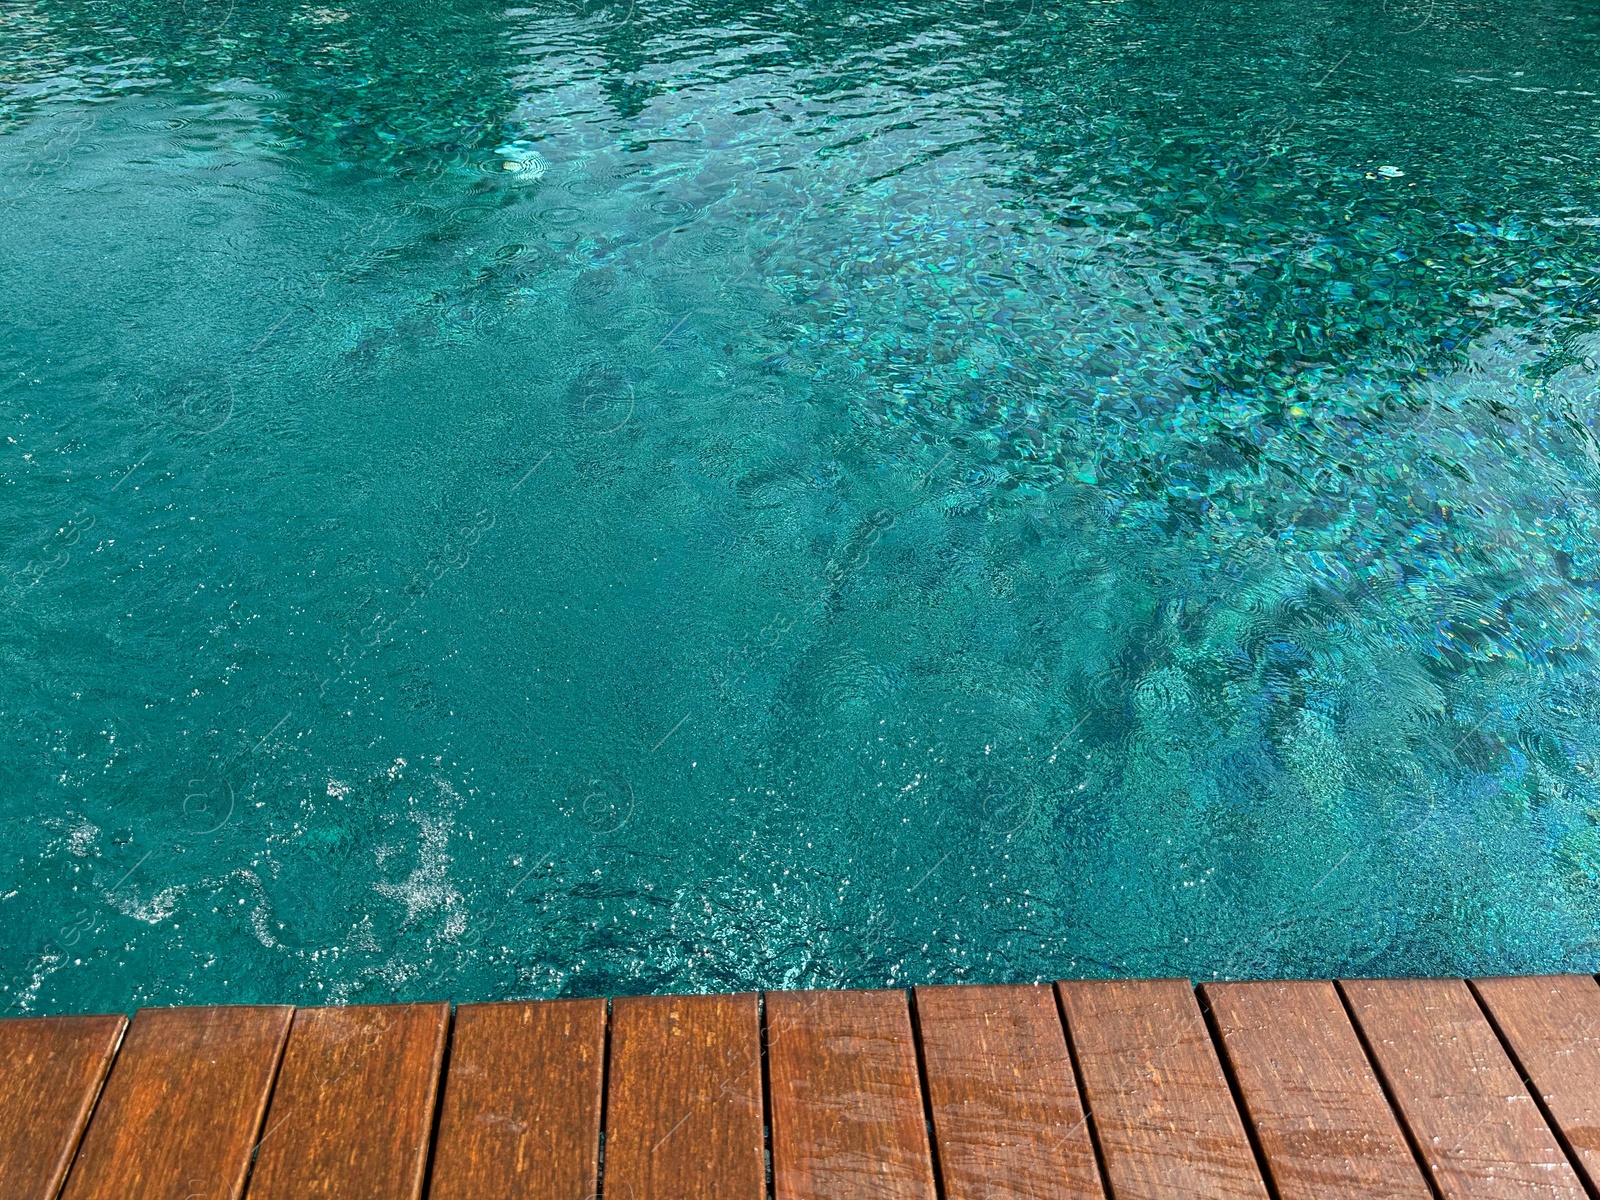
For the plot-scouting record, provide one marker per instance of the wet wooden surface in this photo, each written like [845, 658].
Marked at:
[1121, 1090]
[182, 1108]
[1162, 1108]
[1006, 1115]
[352, 1114]
[684, 1100]
[520, 1115]
[847, 1113]
[1325, 1129]
[1552, 1025]
[1475, 1124]
[51, 1069]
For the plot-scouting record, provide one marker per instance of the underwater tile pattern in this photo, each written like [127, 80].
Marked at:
[591, 497]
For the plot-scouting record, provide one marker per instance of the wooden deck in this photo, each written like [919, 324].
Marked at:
[1137, 1090]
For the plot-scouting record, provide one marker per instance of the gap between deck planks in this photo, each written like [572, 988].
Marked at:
[1127, 1090]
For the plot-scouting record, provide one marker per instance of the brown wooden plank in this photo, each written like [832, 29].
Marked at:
[1552, 1023]
[847, 1116]
[1006, 1115]
[521, 1109]
[353, 1108]
[181, 1111]
[1324, 1126]
[683, 1101]
[51, 1069]
[1160, 1103]
[1475, 1124]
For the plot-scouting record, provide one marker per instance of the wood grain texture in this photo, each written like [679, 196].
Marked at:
[182, 1109]
[847, 1116]
[1474, 1122]
[683, 1104]
[521, 1109]
[1160, 1103]
[1006, 1117]
[352, 1112]
[1552, 1024]
[51, 1069]
[1324, 1126]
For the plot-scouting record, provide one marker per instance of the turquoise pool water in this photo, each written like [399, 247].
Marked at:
[603, 497]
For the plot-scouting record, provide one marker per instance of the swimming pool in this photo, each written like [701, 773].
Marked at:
[594, 497]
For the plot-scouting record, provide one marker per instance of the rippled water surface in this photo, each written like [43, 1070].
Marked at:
[604, 497]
